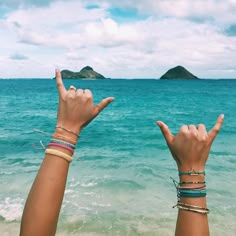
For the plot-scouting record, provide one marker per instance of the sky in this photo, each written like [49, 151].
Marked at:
[118, 38]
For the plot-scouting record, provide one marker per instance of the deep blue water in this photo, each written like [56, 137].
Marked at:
[122, 184]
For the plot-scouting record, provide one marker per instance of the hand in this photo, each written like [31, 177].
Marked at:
[76, 108]
[191, 146]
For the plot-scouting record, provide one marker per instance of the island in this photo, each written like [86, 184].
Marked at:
[178, 72]
[85, 73]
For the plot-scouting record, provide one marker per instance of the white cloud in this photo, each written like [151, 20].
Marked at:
[222, 11]
[69, 35]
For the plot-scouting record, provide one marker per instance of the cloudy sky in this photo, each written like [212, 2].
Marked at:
[118, 38]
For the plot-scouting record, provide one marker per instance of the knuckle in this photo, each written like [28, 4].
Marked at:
[70, 96]
[202, 138]
[217, 129]
[194, 134]
[183, 132]
[88, 95]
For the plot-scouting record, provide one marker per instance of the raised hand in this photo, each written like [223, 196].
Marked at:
[191, 146]
[76, 108]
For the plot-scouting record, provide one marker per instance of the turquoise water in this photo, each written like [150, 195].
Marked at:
[122, 184]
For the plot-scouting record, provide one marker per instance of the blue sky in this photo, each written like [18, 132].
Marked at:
[119, 39]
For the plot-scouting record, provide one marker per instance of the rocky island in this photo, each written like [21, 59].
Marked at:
[178, 72]
[85, 73]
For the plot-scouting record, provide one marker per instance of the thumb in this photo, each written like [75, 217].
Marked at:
[215, 130]
[104, 103]
[166, 132]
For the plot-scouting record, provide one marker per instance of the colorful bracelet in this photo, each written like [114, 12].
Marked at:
[62, 146]
[59, 154]
[192, 172]
[192, 193]
[53, 140]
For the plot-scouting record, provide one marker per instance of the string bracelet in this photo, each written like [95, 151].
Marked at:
[59, 154]
[189, 205]
[61, 146]
[53, 140]
[178, 184]
[68, 130]
[200, 211]
[192, 182]
[194, 188]
[192, 172]
[64, 138]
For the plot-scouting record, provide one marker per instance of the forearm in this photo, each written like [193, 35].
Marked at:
[188, 222]
[191, 223]
[43, 205]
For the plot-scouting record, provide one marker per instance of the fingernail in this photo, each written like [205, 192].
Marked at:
[159, 123]
[222, 116]
[57, 70]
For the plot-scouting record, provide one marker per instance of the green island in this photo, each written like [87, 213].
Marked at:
[85, 73]
[178, 73]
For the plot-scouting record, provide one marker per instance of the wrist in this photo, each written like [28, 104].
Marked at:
[65, 135]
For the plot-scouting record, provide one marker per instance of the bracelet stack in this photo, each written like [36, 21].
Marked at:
[187, 189]
[62, 142]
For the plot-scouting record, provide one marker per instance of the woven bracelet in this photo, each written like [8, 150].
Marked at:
[191, 193]
[61, 146]
[192, 172]
[53, 140]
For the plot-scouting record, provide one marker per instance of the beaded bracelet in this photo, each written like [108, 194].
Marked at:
[192, 172]
[59, 154]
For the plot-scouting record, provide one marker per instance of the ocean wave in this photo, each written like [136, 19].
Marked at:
[87, 185]
[101, 204]
[89, 193]
[11, 209]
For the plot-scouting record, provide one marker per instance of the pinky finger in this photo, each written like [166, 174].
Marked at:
[104, 103]
[215, 130]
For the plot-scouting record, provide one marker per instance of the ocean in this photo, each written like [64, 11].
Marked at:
[121, 185]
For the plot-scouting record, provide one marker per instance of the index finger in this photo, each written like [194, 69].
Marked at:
[215, 130]
[60, 86]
